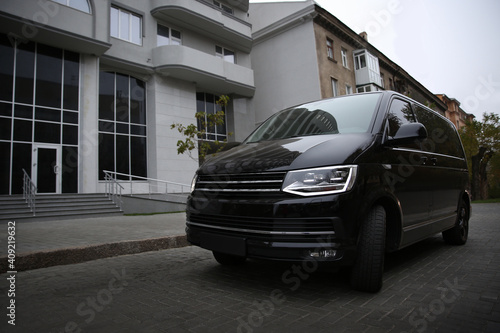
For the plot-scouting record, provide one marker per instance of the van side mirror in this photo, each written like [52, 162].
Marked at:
[408, 133]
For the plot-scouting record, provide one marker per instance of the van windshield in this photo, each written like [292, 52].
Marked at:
[342, 115]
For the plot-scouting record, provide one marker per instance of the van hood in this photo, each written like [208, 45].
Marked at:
[289, 154]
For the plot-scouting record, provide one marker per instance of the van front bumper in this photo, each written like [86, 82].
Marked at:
[291, 230]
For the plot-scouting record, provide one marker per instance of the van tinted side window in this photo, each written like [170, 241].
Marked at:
[400, 113]
[442, 136]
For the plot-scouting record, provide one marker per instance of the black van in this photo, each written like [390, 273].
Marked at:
[344, 179]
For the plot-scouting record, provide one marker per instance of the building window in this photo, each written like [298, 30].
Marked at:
[348, 89]
[329, 48]
[382, 80]
[360, 60]
[343, 52]
[82, 5]
[122, 125]
[335, 88]
[224, 7]
[126, 25]
[225, 54]
[207, 103]
[39, 106]
[167, 36]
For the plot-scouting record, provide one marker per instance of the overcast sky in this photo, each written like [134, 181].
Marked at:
[449, 46]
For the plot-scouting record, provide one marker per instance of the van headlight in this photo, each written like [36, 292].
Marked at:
[193, 183]
[327, 180]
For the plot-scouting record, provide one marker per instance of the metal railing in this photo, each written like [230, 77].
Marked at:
[29, 192]
[153, 188]
[113, 189]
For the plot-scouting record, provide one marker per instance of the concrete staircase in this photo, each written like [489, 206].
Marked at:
[57, 207]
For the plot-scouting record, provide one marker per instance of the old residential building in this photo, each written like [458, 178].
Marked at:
[301, 52]
[454, 112]
[94, 85]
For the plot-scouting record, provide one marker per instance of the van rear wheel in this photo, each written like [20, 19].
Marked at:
[460, 232]
[228, 259]
[368, 269]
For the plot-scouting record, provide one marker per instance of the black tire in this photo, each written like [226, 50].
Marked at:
[368, 270]
[228, 259]
[460, 232]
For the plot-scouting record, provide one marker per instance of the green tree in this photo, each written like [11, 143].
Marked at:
[481, 142]
[195, 134]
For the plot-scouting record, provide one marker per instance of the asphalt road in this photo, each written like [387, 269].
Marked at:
[428, 287]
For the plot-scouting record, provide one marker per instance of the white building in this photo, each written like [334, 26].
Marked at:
[93, 85]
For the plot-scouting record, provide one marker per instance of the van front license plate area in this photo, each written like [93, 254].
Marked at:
[225, 244]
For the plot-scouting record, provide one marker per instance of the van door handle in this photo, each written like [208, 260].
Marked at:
[423, 159]
[434, 160]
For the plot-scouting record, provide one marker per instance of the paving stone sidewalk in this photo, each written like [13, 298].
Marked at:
[48, 243]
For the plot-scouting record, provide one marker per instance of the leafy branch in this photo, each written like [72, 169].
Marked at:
[195, 136]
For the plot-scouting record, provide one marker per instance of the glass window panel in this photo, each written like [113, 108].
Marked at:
[5, 128]
[229, 56]
[82, 5]
[47, 132]
[122, 96]
[106, 153]
[4, 168]
[106, 95]
[70, 117]
[106, 126]
[47, 114]
[114, 22]
[122, 128]
[70, 170]
[21, 159]
[137, 101]
[6, 109]
[163, 35]
[136, 29]
[25, 69]
[71, 80]
[23, 130]
[138, 158]
[122, 155]
[6, 68]
[48, 76]
[138, 130]
[124, 25]
[70, 135]
[23, 111]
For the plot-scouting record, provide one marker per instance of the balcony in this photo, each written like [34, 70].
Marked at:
[205, 19]
[367, 70]
[207, 71]
[49, 23]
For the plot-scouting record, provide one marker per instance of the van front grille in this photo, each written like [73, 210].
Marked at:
[241, 183]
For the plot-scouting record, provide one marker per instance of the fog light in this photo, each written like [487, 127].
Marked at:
[323, 253]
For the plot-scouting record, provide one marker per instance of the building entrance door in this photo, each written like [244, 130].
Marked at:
[46, 169]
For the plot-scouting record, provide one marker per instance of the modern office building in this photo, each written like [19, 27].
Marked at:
[94, 85]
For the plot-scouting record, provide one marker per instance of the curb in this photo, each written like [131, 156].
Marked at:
[33, 260]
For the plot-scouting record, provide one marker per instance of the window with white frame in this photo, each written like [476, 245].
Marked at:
[225, 54]
[329, 48]
[167, 36]
[335, 88]
[126, 25]
[360, 60]
[82, 5]
[348, 89]
[343, 52]
[224, 7]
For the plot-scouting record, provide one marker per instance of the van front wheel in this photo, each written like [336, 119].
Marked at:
[368, 269]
